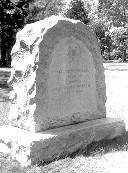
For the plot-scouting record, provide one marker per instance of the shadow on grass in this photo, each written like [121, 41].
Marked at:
[96, 148]
[93, 149]
[104, 146]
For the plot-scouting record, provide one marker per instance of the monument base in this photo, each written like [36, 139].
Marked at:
[31, 148]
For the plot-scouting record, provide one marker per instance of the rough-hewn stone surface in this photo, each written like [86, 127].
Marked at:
[31, 148]
[57, 75]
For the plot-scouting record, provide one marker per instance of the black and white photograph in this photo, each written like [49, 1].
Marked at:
[63, 86]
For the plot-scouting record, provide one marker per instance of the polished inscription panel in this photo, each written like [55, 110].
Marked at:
[71, 83]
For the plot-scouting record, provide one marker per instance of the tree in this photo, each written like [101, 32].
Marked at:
[111, 14]
[15, 14]
[103, 36]
[120, 36]
[115, 11]
[77, 11]
[39, 10]
[12, 14]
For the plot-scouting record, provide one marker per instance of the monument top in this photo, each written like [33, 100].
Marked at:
[34, 32]
[37, 29]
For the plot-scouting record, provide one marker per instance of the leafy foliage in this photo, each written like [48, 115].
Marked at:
[15, 14]
[103, 17]
[119, 36]
[77, 11]
[12, 14]
[41, 9]
[110, 26]
[114, 11]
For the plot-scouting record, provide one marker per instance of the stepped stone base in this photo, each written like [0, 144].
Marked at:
[31, 148]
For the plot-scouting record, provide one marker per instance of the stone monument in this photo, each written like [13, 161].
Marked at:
[57, 76]
[58, 89]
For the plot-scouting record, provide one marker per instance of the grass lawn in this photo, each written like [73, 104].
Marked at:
[104, 156]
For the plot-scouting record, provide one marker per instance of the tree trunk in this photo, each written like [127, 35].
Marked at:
[124, 55]
[3, 57]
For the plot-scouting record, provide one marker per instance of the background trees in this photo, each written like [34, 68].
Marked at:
[119, 36]
[78, 11]
[116, 11]
[15, 14]
[108, 19]
[113, 14]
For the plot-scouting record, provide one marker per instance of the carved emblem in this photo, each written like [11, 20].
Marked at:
[73, 53]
